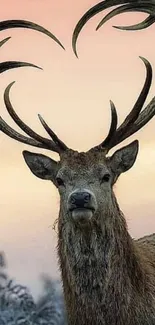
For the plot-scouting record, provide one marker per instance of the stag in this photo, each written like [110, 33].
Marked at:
[108, 277]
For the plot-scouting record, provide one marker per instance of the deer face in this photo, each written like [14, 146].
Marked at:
[84, 180]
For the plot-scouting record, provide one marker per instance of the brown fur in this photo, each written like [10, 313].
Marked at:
[108, 278]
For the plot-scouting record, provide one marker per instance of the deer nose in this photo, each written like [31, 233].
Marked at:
[79, 200]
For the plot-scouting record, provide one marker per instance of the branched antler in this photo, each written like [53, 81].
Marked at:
[147, 6]
[143, 6]
[135, 120]
[34, 138]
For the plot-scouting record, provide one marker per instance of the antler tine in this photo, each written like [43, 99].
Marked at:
[133, 115]
[112, 130]
[144, 117]
[8, 130]
[17, 23]
[35, 139]
[52, 134]
[142, 25]
[18, 121]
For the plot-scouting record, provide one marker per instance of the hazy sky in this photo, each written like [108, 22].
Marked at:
[73, 96]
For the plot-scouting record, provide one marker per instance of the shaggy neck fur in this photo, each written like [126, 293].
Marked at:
[102, 272]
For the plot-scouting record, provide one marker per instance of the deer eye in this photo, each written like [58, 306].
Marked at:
[60, 181]
[106, 178]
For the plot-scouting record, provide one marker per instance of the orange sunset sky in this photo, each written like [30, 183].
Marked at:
[73, 96]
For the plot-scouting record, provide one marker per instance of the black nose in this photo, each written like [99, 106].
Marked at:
[79, 200]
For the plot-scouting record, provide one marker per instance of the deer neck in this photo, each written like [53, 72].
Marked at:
[99, 265]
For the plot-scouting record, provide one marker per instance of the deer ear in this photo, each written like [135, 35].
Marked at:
[124, 158]
[40, 165]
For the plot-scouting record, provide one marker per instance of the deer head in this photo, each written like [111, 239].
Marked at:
[84, 180]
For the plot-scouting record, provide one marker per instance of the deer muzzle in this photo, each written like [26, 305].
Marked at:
[81, 205]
